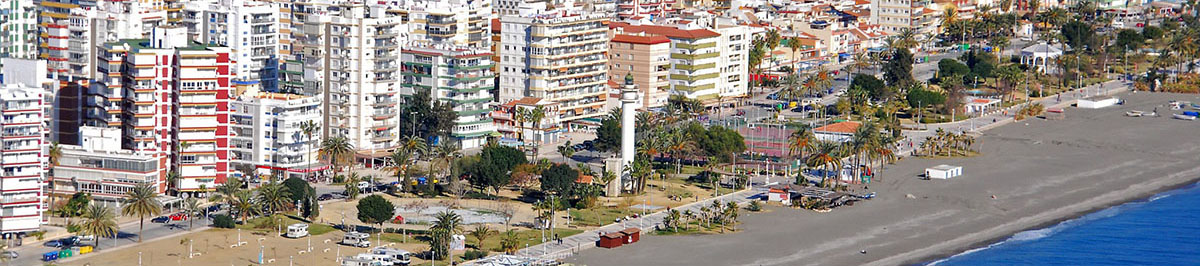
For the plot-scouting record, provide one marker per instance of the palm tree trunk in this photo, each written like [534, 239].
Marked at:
[141, 225]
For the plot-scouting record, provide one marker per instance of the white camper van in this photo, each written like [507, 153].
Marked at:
[357, 239]
[397, 257]
[297, 230]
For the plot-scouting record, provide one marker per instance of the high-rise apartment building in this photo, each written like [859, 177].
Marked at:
[18, 29]
[456, 75]
[172, 102]
[266, 134]
[250, 28]
[706, 64]
[892, 16]
[457, 22]
[559, 55]
[23, 158]
[647, 58]
[352, 58]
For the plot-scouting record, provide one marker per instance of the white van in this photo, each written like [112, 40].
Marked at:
[357, 239]
[360, 261]
[297, 230]
[398, 257]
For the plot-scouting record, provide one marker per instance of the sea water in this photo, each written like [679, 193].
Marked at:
[1161, 230]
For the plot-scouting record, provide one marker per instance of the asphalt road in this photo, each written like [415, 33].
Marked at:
[127, 234]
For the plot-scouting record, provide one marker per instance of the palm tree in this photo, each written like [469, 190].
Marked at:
[274, 196]
[172, 179]
[731, 213]
[446, 153]
[227, 190]
[794, 44]
[861, 62]
[244, 204]
[400, 162]
[191, 207]
[905, 39]
[773, 39]
[99, 221]
[309, 128]
[949, 18]
[566, 151]
[511, 242]
[826, 154]
[351, 186]
[55, 153]
[141, 201]
[336, 151]
[446, 224]
[480, 233]
[536, 115]
[801, 141]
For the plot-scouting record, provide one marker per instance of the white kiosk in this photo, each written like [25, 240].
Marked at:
[943, 172]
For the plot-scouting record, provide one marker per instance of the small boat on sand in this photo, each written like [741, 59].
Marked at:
[1134, 113]
[1184, 117]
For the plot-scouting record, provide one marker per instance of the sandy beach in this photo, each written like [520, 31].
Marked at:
[1041, 172]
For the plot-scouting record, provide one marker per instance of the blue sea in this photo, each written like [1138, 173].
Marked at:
[1161, 230]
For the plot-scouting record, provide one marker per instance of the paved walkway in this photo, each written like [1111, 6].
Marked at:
[587, 239]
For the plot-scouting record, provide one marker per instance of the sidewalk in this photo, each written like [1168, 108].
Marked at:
[587, 239]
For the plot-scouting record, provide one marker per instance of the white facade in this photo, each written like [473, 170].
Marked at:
[557, 55]
[733, 63]
[250, 28]
[457, 22]
[943, 172]
[352, 57]
[459, 76]
[23, 158]
[18, 29]
[100, 167]
[267, 133]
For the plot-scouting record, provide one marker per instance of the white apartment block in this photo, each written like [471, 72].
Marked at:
[18, 29]
[894, 15]
[457, 22]
[70, 39]
[100, 167]
[558, 55]
[266, 134]
[250, 28]
[23, 158]
[734, 62]
[458, 75]
[512, 7]
[352, 57]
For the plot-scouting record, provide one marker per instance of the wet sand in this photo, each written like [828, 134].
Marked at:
[1041, 172]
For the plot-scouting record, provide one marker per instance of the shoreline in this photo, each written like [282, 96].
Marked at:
[1044, 172]
[1140, 196]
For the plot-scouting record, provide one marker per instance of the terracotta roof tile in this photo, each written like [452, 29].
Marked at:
[665, 31]
[626, 38]
[842, 127]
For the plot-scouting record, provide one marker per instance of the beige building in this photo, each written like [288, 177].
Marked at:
[647, 59]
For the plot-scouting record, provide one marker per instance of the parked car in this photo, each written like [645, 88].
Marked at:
[53, 244]
[325, 196]
[214, 208]
[338, 195]
[160, 219]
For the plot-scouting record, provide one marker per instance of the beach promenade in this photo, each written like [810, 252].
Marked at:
[1040, 171]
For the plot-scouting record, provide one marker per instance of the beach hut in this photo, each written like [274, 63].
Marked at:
[611, 240]
[837, 132]
[631, 235]
[1096, 102]
[943, 172]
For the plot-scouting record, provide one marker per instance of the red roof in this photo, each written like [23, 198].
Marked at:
[584, 179]
[981, 101]
[843, 127]
[626, 38]
[665, 31]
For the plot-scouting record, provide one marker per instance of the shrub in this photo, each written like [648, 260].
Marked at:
[339, 179]
[474, 254]
[754, 206]
[223, 221]
[72, 228]
[40, 235]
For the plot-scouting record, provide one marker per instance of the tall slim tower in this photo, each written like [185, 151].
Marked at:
[629, 105]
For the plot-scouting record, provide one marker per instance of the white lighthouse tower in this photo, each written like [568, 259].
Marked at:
[629, 106]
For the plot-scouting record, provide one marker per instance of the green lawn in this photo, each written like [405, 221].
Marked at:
[527, 237]
[264, 224]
